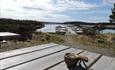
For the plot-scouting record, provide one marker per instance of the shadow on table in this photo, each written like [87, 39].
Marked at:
[79, 68]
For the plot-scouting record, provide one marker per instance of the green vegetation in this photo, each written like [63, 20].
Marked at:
[47, 37]
[101, 41]
[112, 16]
[37, 39]
[23, 27]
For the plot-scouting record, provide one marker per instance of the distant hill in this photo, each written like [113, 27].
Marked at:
[80, 23]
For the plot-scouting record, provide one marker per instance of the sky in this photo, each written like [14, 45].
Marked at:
[57, 10]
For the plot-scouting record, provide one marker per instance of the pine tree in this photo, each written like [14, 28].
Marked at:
[112, 16]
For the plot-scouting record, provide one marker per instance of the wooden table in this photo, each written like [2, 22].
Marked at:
[50, 57]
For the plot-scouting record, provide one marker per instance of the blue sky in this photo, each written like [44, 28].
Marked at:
[57, 10]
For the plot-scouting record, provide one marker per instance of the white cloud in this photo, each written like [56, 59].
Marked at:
[74, 5]
[41, 9]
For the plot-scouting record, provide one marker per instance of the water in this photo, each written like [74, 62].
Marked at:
[108, 31]
[51, 28]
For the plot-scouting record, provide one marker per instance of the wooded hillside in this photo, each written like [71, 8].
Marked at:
[23, 27]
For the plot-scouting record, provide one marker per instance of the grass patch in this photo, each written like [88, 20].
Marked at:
[47, 38]
[100, 41]
[37, 39]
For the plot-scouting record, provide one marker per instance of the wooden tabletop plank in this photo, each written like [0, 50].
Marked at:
[45, 62]
[90, 55]
[17, 60]
[24, 50]
[105, 63]
[112, 65]
[61, 66]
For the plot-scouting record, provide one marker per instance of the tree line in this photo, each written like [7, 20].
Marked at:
[23, 27]
[112, 16]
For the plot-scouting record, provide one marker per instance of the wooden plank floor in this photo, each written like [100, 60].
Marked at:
[21, 59]
[7, 54]
[104, 63]
[50, 57]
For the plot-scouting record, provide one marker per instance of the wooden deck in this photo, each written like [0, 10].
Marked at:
[50, 57]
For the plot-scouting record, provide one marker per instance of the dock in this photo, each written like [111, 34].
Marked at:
[50, 57]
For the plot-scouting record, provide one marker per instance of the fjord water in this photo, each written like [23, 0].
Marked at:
[108, 31]
[51, 28]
